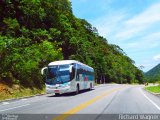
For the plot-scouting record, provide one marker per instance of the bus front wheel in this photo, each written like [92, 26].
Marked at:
[57, 94]
[77, 90]
[90, 87]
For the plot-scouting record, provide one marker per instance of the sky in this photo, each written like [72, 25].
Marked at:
[134, 25]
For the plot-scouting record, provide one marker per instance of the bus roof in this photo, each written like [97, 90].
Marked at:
[62, 62]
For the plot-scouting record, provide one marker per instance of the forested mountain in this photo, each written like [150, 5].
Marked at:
[153, 75]
[36, 32]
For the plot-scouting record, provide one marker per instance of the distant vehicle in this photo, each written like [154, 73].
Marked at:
[67, 76]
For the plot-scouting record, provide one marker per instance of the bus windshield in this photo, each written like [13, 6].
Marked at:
[58, 74]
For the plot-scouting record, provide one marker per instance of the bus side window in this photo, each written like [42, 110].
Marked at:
[78, 72]
[77, 78]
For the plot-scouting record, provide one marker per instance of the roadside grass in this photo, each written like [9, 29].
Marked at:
[154, 89]
[12, 93]
[96, 84]
[134, 83]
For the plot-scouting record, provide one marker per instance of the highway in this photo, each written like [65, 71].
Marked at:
[95, 104]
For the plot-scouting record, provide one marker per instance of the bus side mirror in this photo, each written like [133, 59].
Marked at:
[44, 71]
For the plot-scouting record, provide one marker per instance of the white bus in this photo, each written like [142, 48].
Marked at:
[67, 76]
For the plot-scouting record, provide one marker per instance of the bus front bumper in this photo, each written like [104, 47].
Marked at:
[58, 90]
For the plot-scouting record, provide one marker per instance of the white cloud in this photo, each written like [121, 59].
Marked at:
[149, 16]
[157, 57]
[140, 23]
[120, 27]
[104, 27]
[149, 41]
[106, 24]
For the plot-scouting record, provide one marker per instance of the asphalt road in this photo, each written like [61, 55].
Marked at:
[110, 101]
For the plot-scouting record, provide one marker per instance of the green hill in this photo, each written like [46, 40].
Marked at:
[36, 32]
[153, 75]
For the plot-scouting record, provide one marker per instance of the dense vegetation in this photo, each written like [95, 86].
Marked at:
[36, 32]
[153, 75]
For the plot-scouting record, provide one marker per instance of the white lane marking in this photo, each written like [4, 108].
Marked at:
[5, 103]
[11, 102]
[23, 99]
[14, 107]
[151, 101]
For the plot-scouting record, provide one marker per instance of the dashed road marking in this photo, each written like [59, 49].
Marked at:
[23, 99]
[5, 103]
[14, 107]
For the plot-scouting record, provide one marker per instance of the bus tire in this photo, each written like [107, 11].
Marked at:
[57, 94]
[77, 90]
[90, 88]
